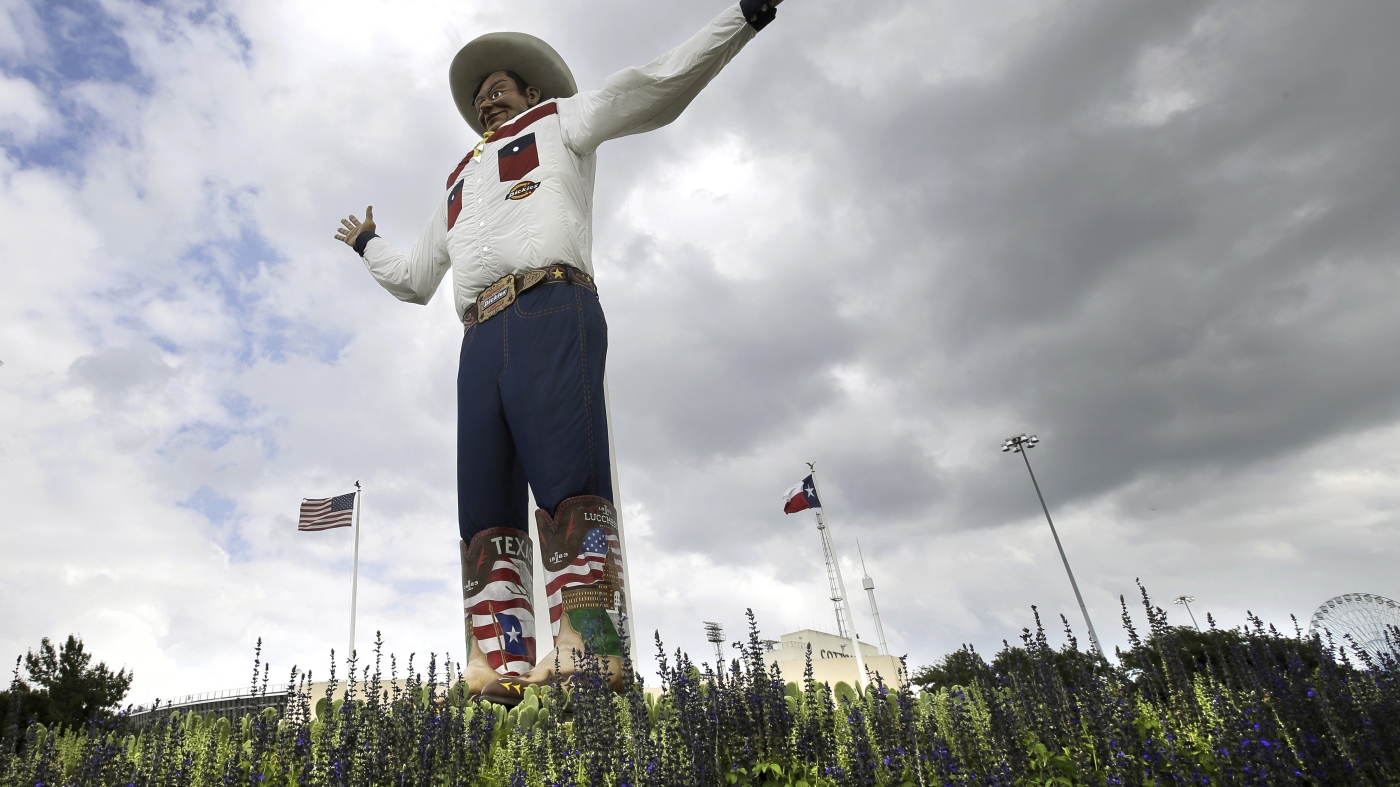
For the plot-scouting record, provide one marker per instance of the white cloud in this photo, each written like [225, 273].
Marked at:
[23, 112]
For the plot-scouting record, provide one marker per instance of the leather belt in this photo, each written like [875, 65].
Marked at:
[495, 299]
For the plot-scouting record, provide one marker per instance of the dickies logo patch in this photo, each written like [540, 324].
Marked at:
[517, 157]
[522, 190]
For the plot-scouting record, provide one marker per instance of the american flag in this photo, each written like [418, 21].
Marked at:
[597, 552]
[324, 513]
[503, 622]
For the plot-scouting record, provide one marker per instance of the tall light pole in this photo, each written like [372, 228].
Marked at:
[1020, 444]
[1185, 601]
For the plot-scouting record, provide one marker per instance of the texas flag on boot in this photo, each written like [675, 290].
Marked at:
[502, 621]
[801, 497]
[498, 594]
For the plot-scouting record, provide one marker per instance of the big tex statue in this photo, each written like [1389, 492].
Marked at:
[515, 225]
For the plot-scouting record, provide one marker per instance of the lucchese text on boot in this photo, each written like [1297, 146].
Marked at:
[590, 516]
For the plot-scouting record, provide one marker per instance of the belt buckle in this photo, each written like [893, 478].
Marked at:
[494, 299]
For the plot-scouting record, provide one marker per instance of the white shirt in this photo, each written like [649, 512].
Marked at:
[527, 200]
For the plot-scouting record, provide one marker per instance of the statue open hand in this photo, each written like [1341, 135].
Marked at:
[351, 227]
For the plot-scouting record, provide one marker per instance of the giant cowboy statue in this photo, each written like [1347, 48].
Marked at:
[515, 224]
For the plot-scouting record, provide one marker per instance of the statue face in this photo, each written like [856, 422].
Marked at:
[500, 100]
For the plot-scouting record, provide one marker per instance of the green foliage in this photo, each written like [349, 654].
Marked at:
[1194, 650]
[21, 704]
[63, 688]
[1254, 707]
[774, 774]
[1070, 665]
[958, 668]
[1046, 768]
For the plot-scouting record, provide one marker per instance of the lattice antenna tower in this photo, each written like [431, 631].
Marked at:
[845, 624]
[836, 600]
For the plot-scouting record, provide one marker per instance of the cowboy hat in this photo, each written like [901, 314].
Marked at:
[534, 60]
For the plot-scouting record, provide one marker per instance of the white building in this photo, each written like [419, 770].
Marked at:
[832, 659]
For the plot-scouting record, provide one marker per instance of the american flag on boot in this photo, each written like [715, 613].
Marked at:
[498, 595]
[596, 561]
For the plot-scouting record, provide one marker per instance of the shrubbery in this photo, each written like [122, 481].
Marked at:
[64, 687]
[1248, 706]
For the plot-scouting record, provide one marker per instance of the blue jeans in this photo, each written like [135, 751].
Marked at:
[530, 408]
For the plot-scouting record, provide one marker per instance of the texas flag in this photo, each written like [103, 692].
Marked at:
[512, 635]
[801, 497]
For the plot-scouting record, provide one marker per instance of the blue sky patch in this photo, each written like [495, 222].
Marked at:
[216, 507]
[84, 44]
[416, 587]
[230, 266]
[77, 42]
[221, 511]
[237, 405]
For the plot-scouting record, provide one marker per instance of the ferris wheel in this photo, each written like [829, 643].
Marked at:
[1365, 620]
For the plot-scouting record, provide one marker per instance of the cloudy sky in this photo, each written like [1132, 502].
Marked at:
[1163, 237]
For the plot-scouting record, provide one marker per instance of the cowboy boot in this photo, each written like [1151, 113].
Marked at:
[584, 580]
[498, 606]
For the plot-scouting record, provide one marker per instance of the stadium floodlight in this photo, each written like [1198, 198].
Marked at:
[1185, 601]
[1020, 444]
[714, 632]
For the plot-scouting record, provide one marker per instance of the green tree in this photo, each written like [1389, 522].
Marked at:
[1073, 666]
[1223, 652]
[962, 667]
[65, 687]
[18, 706]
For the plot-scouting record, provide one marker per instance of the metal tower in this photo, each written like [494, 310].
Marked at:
[869, 585]
[838, 585]
[828, 551]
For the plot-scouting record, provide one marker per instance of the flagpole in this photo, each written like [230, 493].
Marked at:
[840, 582]
[617, 507]
[355, 571]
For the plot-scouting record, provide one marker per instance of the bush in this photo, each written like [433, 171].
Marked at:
[64, 688]
[1256, 707]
